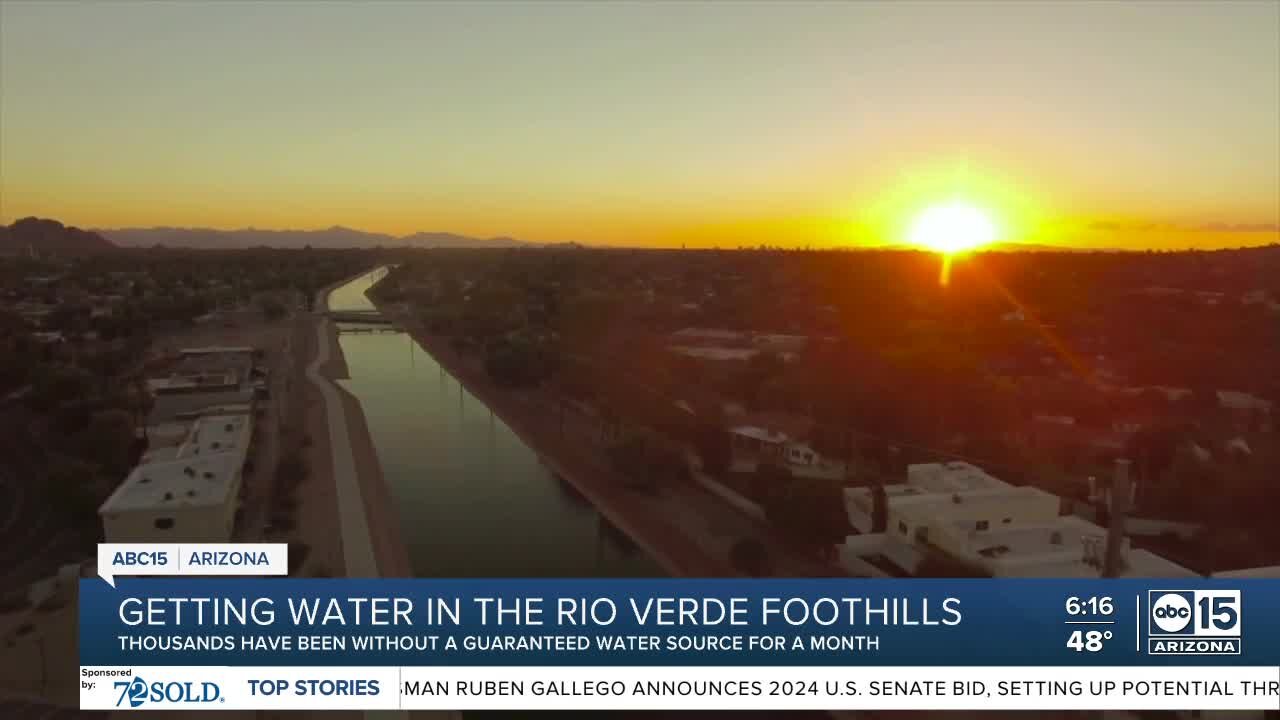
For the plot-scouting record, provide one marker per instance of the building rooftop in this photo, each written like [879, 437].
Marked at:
[715, 353]
[1236, 400]
[951, 476]
[709, 334]
[1067, 534]
[218, 350]
[239, 363]
[759, 433]
[194, 382]
[778, 339]
[200, 471]
[916, 500]
[214, 368]
[1172, 393]
[188, 406]
[1013, 531]
[183, 482]
[165, 439]
[787, 426]
[218, 434]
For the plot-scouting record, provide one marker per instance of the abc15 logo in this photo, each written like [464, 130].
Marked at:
[1194, 613]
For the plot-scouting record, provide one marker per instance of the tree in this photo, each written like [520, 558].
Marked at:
[648, 464]
[1152, 450]
[54, 385]
[879, 507]
[69, 484]
[518, 360]
[18, 352]
[811, 511]
[106, 364]
[110, 441]
[750, 557]
[712, 443]
[68, 318]
[758, 371]
[770, 482]
[290, 471]
[272, 308]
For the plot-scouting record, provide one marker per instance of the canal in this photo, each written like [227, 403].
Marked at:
[473, 499]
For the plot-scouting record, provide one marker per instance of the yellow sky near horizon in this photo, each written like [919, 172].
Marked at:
[1126, 125]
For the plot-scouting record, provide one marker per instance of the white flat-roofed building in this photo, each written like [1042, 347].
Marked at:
[1011, 531]
[168, 434]
[165, 440]
[218, 350]
[715, 353]
[709, 335]
[1235, 400]
[217, 434]
[186, 499]
[778, 343]
[1069, 547]
[955, 489]
[1063, 547]
[189, 493]
[205, 382]
[943, 477]
[187, 407]
[945, 517]
[779, 438]
[730, 345]
[207, 370]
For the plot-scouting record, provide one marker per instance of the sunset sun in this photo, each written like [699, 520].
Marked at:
[953, 227]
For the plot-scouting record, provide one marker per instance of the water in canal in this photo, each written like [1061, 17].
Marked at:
[473, 500]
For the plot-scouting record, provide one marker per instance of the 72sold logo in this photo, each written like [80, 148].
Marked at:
[137, 691]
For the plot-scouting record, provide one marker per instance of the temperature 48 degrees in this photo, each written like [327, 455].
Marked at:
[1088, 640]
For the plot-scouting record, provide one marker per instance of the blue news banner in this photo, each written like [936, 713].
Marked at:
[848, 632]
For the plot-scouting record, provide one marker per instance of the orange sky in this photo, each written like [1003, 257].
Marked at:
[1094, 124]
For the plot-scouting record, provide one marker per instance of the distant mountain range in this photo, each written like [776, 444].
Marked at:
[1013, 247]
[50, 236]
[330, 238]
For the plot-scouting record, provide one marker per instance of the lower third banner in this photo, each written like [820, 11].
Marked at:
[822, 644]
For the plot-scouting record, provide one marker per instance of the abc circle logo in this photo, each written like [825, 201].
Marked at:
[1171, 612]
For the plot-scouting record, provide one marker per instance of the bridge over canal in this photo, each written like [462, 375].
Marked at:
[363, 317]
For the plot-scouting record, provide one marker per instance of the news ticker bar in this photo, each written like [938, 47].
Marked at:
[680, 688]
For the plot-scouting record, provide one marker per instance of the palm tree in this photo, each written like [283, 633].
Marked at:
[879, 505]
[140, 404]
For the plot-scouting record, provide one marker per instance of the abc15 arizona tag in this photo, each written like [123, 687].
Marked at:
[1193, 622]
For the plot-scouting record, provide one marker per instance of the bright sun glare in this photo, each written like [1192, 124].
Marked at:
[952, 228]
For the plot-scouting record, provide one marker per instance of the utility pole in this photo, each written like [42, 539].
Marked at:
[1113, 564]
